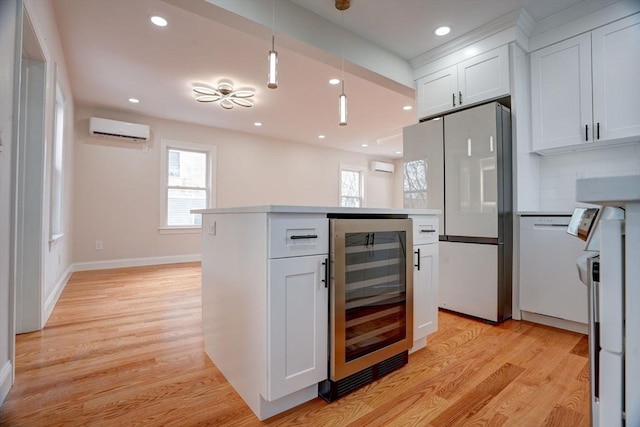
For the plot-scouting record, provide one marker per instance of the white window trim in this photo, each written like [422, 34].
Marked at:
[352, 168]
[165, 145]
[60, 102]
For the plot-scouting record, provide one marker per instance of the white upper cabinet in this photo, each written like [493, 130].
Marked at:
[616, 78]
[561, 93]
[586, 89]
[479, 78]
[484, 77]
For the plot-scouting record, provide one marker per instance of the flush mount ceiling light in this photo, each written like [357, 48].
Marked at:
[442, 31]
[158, 20]
[225, 94]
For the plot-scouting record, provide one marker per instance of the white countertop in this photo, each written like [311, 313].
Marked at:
[292, 209]
[544, 213]
[613, 191]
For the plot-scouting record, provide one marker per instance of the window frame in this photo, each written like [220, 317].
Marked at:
[351, 168]
[56, 184]
[210, 151]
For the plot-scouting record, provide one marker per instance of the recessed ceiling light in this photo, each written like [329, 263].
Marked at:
[258, 124]
[436, 118]
[321, 137]
[365, 145]
[407, 107]
[334, 81]
[398, 152]
[158, 20]
[134, 100]
[442, 31]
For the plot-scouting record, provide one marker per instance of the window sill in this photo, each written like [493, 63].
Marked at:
[180, 230]
[55, 239]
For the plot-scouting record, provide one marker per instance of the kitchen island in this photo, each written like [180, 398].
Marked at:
[265, 295]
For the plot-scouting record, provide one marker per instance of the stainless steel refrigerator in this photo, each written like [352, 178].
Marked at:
[461, 163]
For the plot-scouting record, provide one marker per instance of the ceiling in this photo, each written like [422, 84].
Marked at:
[114, 53]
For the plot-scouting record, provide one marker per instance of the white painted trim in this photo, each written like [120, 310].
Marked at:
[52, 299]
[502, 25]
[470, 50]
[563, 26]
[555, 322]
[135, 262]
[6, 380]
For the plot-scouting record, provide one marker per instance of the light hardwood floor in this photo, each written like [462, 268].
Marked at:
[125, 347]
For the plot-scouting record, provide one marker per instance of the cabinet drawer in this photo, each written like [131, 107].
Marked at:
[295, 235]
[425, 229]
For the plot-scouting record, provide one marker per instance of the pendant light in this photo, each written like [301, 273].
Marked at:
[342, 5]
[272, 82]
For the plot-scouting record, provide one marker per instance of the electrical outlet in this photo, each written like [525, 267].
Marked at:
[99, 245]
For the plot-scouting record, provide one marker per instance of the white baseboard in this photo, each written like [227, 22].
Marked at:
[135, 262]
[52, 299]
[556, 322]
[6, 380]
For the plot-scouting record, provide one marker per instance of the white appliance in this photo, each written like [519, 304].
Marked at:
[461, 164]
[548, 282]
[614, 283]
[118, 129]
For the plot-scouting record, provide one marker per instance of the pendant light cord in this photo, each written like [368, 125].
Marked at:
[342, 47]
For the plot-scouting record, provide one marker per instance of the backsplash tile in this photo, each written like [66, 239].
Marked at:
[558, 173]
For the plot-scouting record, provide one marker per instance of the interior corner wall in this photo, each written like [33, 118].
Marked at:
[117, 183]
[56, 257]
[10, 27]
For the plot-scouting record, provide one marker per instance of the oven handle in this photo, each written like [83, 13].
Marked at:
[417, 252]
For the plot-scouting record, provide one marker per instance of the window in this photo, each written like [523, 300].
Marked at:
[351, 186]
[415, 184]
[187, 176]
[55, 218]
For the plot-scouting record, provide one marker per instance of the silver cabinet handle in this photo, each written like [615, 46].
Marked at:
[460, 97]
[427, 231]
[454, 99]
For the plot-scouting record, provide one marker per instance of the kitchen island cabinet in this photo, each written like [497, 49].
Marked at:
[265, 290]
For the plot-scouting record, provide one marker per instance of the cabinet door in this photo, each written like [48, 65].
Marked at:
[297, 324]
[616, 79]
[425, 291]
[561, 94]
[437, 92]
[483, 77]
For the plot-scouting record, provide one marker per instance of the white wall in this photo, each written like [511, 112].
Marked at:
[9, 28]
[56, 257]
[558, 173]
[117, 184]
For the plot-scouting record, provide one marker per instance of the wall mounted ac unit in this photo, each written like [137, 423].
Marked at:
[382, 167]
[118, 129]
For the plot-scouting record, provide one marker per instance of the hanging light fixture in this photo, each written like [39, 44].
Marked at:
[272, 82]
[342, 5]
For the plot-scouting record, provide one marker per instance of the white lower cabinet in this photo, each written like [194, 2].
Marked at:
[425, 279]
[425, 292]
[297, 324]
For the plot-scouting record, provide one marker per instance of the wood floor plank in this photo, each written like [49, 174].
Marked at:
[125, 347]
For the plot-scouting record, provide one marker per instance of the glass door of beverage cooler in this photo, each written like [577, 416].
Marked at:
[371, 294]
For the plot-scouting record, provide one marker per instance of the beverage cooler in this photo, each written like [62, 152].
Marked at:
[371, 301]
